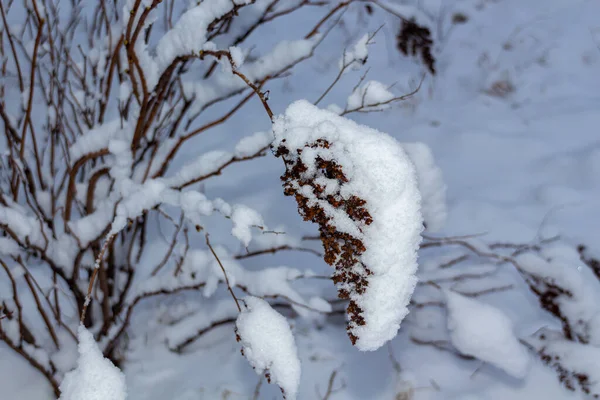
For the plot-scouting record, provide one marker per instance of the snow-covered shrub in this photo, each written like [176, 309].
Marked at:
[105, 106]
[548, 271]
[120, 119]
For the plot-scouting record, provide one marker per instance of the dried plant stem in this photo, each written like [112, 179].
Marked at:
[237, 303]
[330, 383]
[88, 296]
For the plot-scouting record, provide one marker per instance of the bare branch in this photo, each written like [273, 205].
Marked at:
[237, 303]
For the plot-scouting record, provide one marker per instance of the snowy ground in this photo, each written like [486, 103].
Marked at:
[519, 166]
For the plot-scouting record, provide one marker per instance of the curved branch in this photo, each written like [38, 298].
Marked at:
[71, 189]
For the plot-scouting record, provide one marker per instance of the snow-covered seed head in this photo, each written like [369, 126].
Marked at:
[360, 187]
[342, 250]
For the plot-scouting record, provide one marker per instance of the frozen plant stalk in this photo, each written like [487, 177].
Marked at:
[359, 185]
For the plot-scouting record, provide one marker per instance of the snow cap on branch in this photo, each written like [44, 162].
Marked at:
[189, 35]
[269, 345]
[483, 331]
[359, 185]
[371, 96]
[357, 56]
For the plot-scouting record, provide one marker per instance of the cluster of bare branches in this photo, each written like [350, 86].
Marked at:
[73, 79]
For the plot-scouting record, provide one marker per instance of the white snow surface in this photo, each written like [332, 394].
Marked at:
[483, 331]
[431, 185]
[237, 55]
[381, 173]
[95, 377]
[188, 36]
[95, 139]
[244, 219]
[269, 344]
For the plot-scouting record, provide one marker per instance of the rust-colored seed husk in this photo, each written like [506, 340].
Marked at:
[342, 250]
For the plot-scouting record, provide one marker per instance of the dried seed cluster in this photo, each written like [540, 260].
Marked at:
[413, 40]
[570, 379]
[591, 262]
[551, 296]
[342, 250]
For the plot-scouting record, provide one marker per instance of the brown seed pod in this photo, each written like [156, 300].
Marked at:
[342, 250]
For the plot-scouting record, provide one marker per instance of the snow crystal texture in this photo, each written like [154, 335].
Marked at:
[268, 344]
[95, 377]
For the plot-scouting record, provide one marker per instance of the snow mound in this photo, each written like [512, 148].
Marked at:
[95, 377]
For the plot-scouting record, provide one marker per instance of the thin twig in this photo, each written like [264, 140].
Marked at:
[274, 250]
[215, 324]
[224, 273]
[257, 388]
[88, 296]
[12, 47]
[365, 108]
[442, 345]
[330, 383]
